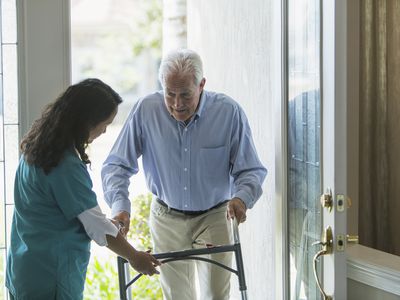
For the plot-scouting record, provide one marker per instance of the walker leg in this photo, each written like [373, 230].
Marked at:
[244, 295]
[121, 278]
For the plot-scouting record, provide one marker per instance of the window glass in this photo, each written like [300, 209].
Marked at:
[304, 213]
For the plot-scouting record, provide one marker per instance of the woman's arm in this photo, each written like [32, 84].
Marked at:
[105, 233]
[142, 262]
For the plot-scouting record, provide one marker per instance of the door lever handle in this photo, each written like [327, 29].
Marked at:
[327, 248]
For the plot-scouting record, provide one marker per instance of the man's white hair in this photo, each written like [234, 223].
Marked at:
[183, 62]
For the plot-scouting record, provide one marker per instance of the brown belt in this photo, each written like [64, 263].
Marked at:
[190, 212]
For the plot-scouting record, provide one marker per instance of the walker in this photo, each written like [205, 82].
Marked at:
[123, 266]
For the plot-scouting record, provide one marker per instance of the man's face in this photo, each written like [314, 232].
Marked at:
[182, 96]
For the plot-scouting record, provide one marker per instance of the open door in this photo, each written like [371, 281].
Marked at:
[316, 143]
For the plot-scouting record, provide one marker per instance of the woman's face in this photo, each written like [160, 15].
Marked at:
[98, 130]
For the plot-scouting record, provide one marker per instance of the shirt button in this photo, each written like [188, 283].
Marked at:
[185, 205]
[185, 169]
[185, 149]
[185, 129]
[185, 188]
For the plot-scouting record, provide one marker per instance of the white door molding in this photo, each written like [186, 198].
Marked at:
[43, 28]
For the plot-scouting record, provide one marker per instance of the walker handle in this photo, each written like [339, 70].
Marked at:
[235, 230]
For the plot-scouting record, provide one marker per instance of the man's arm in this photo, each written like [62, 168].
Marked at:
[120, 165]
[247, 170]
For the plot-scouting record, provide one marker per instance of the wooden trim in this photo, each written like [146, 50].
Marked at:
[374, 268]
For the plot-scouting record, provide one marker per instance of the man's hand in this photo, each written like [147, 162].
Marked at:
[123, 220]
[145, 263]
[236, 208]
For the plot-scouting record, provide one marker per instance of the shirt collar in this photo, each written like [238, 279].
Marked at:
[201, 104]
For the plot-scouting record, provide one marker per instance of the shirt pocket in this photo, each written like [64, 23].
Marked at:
[215, 162]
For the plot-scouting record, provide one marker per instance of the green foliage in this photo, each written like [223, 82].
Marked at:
[139, 231]
[102, 275]
[102, 280]
[124, 50]
[146, 288]
[148, 32]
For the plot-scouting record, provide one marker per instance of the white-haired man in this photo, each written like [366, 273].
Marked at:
[201, 166]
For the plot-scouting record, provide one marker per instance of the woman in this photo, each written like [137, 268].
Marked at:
[56, 212]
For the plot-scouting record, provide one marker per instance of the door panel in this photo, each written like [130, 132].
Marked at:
[316, 154]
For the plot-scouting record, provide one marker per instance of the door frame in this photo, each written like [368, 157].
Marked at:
[281, 221]
[334, 139]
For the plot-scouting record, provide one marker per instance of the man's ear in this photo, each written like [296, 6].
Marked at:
[202, 84]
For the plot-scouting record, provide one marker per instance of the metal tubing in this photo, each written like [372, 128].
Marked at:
[240, 268]
[121, 277]
[190, 254]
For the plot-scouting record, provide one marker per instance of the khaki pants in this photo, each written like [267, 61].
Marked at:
[174, 231]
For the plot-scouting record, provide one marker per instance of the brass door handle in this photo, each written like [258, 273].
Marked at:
[327, 248]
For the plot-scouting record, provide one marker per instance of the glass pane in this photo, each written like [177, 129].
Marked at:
[9, 217]
[2, 203]
[10, 89]
[2, 273]
[1, 120]
[11, 159]
[9, 21]
[133, 29]
[303, 144]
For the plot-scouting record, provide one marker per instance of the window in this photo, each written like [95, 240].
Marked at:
[121, 45]
[9, 124]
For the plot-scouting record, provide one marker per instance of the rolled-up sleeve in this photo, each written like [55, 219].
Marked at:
[97, 226]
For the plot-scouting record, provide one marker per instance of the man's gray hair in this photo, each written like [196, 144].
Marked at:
[182, 61]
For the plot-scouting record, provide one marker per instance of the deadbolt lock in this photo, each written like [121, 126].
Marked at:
[327, 201]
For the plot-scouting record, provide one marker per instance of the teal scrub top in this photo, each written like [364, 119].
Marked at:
[50, 250]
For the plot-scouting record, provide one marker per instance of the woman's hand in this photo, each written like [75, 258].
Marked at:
[145, 263]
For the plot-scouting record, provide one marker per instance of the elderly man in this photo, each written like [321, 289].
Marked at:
[201, 166]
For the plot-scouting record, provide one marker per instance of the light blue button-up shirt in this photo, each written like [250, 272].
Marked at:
[190, 166]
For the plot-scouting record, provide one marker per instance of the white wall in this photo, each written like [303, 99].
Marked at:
[241, 54]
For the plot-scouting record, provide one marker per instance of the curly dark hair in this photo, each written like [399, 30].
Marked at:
[66, 123]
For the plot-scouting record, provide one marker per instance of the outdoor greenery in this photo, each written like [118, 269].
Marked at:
[102, 276]
[123, 48]
[148, 32]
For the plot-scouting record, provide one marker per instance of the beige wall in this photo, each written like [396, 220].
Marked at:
[241, 58]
